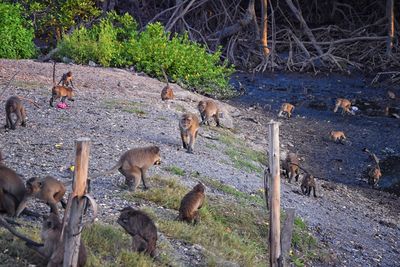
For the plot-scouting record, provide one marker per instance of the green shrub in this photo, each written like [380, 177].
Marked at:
[115, 41]
[16, 35]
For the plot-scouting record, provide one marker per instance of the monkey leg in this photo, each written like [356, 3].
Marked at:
[184, 138]
[303, 189]
[8, 202]
[217, 120]
[143, 174]
[51, 101]
[139, 244]
[23, 117]
[63, 99]
[132, 177]
[196, 217]
[309, 190]
[191, 145]
[315, 195]
[297, 175]
[8, 120]
[203, 119]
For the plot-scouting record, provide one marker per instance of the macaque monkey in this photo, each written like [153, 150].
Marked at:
[290, 166]
[337, 136]
[208, 109]
[134, 163]
[307, 184]
[60, 91]
[191, 202]
[49, 190]
[142, 229]
[14, 105]
[66, 79]
[12, 190]
[51, 235]
[167, 93]
[374, 173]
[286, 108]
[189, 127]
[344, 104]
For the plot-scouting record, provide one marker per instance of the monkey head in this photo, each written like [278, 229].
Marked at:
[199, 188]
[202, 106]
[186, 121]
[33, 185]
[157, 157]
[51, 222]
[124, 218]
[69, 74]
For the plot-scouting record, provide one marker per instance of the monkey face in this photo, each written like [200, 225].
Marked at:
[202, 106]
[186, 122]
[51, 222]
[199, 187]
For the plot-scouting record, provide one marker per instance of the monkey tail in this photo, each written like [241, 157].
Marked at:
[113, 169]
[54, 73]
[165, 76]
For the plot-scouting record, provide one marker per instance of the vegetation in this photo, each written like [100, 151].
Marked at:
[176, 170]
[16, 34]
[126, 106]
[115, 41]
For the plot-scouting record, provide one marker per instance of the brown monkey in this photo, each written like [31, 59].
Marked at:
[191, 202]
[307, 184]
[142, 229]
[134, 163]
[290, 166]
[286, 108]
[66, 80]
[374, 173]
[51, 235]
[14, 105]
[167, 93]
[12, 190]
[344, 104]
[337, 136]
[208, 109]
[59, 91]
[49, 190]
[189, 127]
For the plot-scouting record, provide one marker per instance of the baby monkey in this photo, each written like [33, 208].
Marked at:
[191, 203]
[14, 105]
[286, 108]
[66, 79]
[308, 184]
[167, 93]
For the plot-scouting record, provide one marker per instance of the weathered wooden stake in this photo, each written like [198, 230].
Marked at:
[275, 195]
[73, 216]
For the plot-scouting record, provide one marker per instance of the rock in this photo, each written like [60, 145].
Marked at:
[67, 60]
[226, 119]
[92, 64]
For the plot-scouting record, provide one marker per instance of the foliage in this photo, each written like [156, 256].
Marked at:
[115, 41]
[16, 34]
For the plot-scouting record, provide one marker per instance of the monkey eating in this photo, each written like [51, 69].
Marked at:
[286, 108]
[60, 91]
[208, 109]
[344, 104]
[142, 229]
[189, 127]
[290, 166]
[337, 136]
[66, 80]
[166, 93]
[49, 190]
[134, 163]
[14, 105]
[191, 203]
[12, 189]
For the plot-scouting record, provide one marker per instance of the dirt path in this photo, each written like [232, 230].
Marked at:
[119, 110]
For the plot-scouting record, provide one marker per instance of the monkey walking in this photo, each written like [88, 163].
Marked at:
[208, 109]
[374, 173]
[344, 104]
[134, 163]
[191, 203]
[307, 183]
[189, 127]
[166, 93]
[291, 168]
[66, 80]
[14, 105]
[60, 91]
[142, 229]
[49, 190]
[286, 108]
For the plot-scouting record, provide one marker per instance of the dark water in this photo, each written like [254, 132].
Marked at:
[314, 97]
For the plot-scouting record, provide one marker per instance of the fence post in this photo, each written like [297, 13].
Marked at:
[76, 204]
[275, 195]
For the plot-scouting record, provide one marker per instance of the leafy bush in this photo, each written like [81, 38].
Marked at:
[115, 41]
[16, 35]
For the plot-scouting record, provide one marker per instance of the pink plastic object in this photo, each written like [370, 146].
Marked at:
[62, 105]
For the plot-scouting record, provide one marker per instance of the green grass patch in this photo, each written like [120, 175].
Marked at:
[304, 244]
[126, 106]
[175, 170]
[241, 155]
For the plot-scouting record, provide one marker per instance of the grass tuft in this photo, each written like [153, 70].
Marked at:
[126, 106]
[175, 170]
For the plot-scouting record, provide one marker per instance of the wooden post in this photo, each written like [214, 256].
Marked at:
[390, 16]
[73, 215]
[286, 239]
[275, 195]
